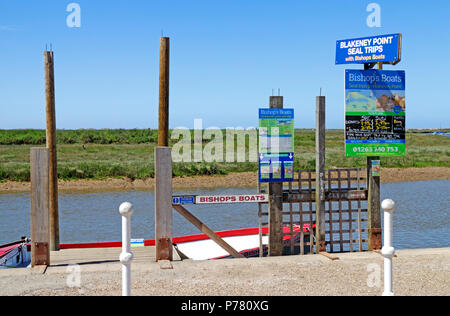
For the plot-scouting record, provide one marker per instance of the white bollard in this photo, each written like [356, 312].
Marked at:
[126, 209]
[388, 250]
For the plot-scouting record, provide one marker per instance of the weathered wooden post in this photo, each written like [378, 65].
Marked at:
[40, 231]
[276, 202]
[320, 174]
[373, 199]
[163, 203]
[163, 163]
[51, 145]
[163, 128]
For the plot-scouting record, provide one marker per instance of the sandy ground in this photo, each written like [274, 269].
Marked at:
[244, 179]
[416, 272]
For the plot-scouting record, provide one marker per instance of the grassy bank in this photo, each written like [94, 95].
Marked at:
[99, 154]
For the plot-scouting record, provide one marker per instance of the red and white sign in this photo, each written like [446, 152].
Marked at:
[217, 199]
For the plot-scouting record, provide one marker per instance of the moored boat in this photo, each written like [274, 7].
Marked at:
[15, 254]
[201, 247]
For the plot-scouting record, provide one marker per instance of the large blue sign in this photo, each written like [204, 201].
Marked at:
[375, 49]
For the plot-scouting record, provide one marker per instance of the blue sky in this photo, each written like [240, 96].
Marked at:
[226, 57]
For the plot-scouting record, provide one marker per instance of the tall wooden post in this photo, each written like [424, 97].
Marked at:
[373, 202]
[51, 145]
[276, 202]
[320, 174]
[163, 203]
[40, 231]
[163, 162]
[163, 127]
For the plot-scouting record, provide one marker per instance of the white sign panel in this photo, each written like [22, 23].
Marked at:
[217, 199]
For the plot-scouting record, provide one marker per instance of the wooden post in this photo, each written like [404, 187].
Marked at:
[163, 203]
[40, 232]
[276, 202]
[163, 128]
[320, 174]
[373, 202]
[208, 231]
[51, 145]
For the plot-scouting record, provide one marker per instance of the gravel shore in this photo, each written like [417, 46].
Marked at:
[416, 272]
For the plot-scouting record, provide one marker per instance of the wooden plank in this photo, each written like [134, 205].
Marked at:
[311, 240]
[320, 174]
[300, 207]
[206, 230]
[350, 213]
[347, 242]
[260, 215]
[163, 203]
[340, 213]
[334, 195]
[329, 256]
[291, 223]
[359, 216]
[346, 221]
[330, 212]
[51, 145]
[40, 230]
[348, 231]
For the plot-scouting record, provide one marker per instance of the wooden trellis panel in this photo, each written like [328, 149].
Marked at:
[345, 212]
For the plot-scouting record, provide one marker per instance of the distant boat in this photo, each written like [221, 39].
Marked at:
[15, 254]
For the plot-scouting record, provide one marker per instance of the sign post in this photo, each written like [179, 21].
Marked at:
[276, 163]
[374, 112]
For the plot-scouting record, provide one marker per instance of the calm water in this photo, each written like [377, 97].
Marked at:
[422, 218]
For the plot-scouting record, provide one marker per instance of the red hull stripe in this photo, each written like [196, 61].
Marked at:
[176, 240]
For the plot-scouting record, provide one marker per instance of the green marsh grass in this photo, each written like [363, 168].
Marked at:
[101, 154]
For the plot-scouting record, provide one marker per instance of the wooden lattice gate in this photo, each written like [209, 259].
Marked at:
[346, 222]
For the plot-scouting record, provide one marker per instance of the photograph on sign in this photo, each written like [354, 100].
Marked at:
[276, 145]
[374, 49]
[375, 113]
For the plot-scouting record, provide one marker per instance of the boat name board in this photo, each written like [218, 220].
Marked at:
[220, 199]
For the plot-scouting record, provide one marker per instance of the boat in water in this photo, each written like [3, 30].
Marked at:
[15, 254]
[201, 247]
[196, 247]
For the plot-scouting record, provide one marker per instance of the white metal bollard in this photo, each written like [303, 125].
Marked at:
[126, 209]
[388, 250]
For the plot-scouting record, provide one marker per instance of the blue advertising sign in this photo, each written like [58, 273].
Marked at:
[276, 145]
[374, 49]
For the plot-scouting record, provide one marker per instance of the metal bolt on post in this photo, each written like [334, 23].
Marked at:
[126, 209]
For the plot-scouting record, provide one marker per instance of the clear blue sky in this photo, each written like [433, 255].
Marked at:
[226, 57]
